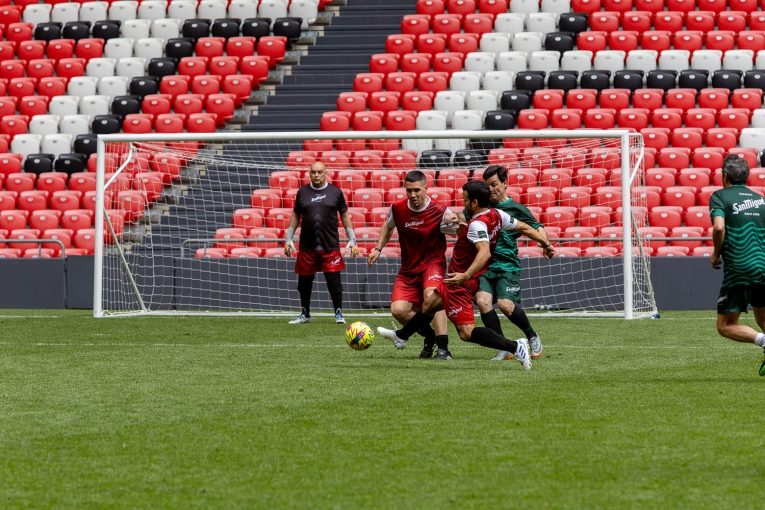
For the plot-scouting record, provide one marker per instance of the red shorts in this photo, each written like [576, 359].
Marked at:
[409, 287]
[311, 262]
[458, 301]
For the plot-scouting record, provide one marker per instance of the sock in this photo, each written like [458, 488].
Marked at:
[305, 286]
[488, 338]
[442, 341]
[490, 319]
[430, 336]
[519, 318]
[335, 287]
[760, 340]
[419, 321]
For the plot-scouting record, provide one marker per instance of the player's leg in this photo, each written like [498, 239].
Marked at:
[403, 311]
[732, 302]
[758, 308]
[421, 319]
[305, 267]
[440, 327]
[485, 301]
[332, 264]
[508, 292]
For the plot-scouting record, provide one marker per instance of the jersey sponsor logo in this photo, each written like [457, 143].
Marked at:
[436, 276]
[512, 289]
[748, 204]
[318, 198]
[722, 299]
[454, 311]
[335, 261]
[413, 223]
[483, 234]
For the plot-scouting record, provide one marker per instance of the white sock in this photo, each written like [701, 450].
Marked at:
[760, 339]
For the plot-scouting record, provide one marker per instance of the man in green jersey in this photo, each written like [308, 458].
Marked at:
[502, 281]
[738, 234]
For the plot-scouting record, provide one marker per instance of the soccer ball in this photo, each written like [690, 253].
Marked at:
[359, 336]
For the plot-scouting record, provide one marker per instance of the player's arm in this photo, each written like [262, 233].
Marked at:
[348, 224]
[450, 221]
[527, 216]
[718, 237]
[289, 243]
[479, 262]
[386, 231]
[717, 212]
[533, 234]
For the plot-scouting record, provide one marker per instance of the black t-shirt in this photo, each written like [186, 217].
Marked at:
[318, 217]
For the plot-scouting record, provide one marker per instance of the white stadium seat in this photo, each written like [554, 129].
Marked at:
[152, 9]
[449, 101]
[243, 9]
[499, 81]
[26, 144]
[556, 6]
[182, 9]
[483, 100]
[465, 81]
[642, 60]
[135, 28]
[546, 61]
[75, 124]
[82, 86]
[609, 60]
[43, 125]
[94, 11]
[65, 13]
[752, 138]
[468, 120]
[272, 9]
[131, 67]
[56, 144]
[95, 105]
[527, 41]
[510, 23]
[63, 105]
[495, 42]
[149, 47]
[119, 47]
[100, 67]
[307, 10]
[758, 118]
[741, 60]
[675, 60]
[123, 10]
[111, 86]
[515, 61]
[211, 9]
[479, 61]
[524, 6]
[37, 13]
[576, 60]
[543, 22]
[169, 28]
[710, 60]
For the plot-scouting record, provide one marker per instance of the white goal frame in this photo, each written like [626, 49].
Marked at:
[629, 169]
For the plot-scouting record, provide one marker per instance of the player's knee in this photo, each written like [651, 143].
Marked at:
[483, 301]
[506, 306]
[400, 313]
[723, 327]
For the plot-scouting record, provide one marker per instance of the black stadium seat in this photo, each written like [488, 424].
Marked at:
[693, 79]
[226, 27]
[564, 80]
[256, 27]
[598, 80]
[435, 159]
[661, 79]
[573, 22]
[515, 100]
[499, 120]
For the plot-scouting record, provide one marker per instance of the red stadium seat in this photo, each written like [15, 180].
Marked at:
[430, 43]
[349, 180]
[561, 217]
[63, 235]
[174, 85]
[727, 138]
[578, 233]
[205, 84]
[266, 199]
[401, 159]
[463, 43]
[367, 198]
[447, 62]
[694, 177]
[698, 216]
[399, 44]
[679, 196]
[433, 82]
[661, 177]
[430, 7]
[639, 21]
[587, 6]
[686, 232]
[223, 66]
[595, 216]
[367, 160]
[89, 48]
[604, 21]
[240, 46]
[43, 219]
[77, 219]
[625, 41]
[20, 182]
[666, 216]
[255, 66]
[12, 219]
[575, 196]
[410, 63]
[274, 47]
[278, 217]
[591, 41]
[478, 23]
[400, 121]
[541, 196]
[593, 178]
[415, 24]
[461, 7]
[599, 119]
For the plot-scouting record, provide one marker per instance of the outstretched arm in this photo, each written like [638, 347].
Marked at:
[535, 235]
[348, 224]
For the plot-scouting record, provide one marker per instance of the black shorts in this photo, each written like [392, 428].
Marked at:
[734, 299]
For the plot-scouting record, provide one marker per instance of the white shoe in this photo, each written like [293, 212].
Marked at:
[522, 353]
[536, 347]
[502, 356]
[300, 319]
[390, 334]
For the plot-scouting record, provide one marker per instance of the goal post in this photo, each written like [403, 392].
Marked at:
[193, 223]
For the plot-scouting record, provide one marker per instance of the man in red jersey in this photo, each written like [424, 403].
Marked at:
[472, 252]
[418, 220]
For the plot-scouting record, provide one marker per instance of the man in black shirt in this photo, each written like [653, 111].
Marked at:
[316, 207]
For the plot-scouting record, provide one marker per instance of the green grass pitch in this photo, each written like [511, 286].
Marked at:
[253, 413]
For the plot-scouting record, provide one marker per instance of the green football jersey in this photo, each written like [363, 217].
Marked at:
[506, 253]
[743, 251]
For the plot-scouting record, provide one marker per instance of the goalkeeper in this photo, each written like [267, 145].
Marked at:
[317, 205]
[502, 281]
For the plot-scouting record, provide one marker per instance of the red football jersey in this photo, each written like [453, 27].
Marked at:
[420, 237]
[484, 226]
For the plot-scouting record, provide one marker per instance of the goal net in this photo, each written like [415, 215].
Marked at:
[189, 223]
